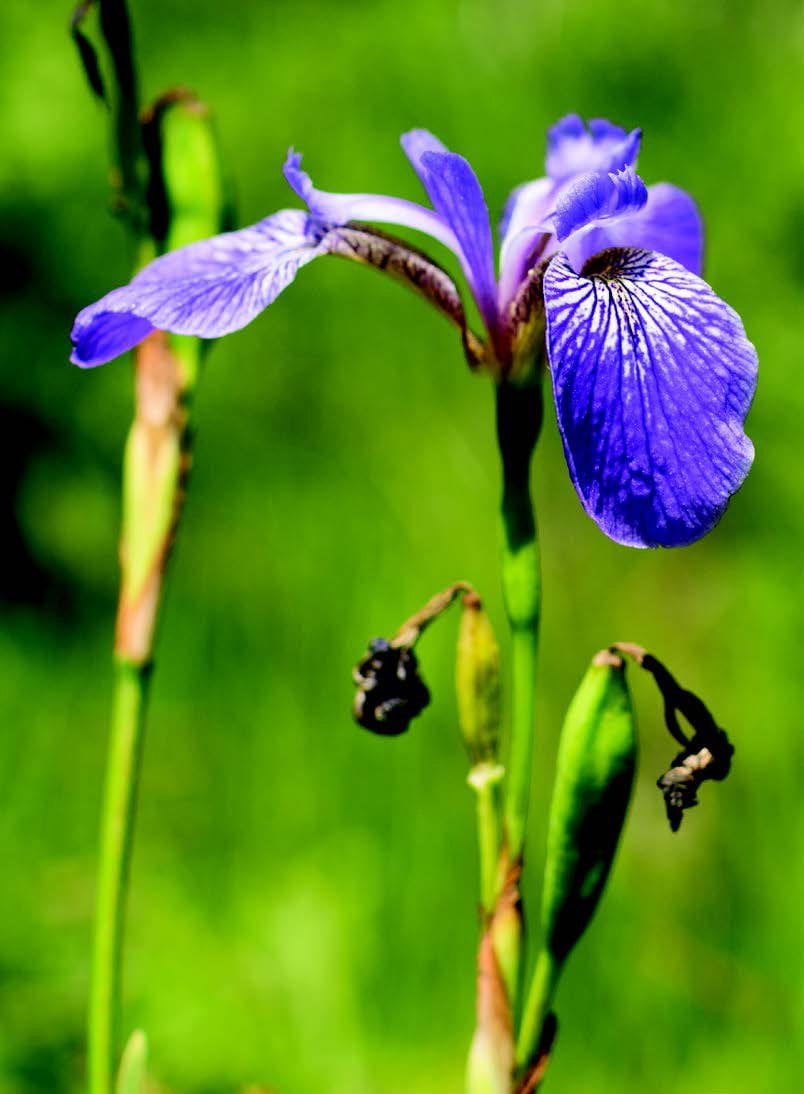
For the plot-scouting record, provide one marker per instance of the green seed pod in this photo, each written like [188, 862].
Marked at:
[594, 776]
[477, 679]
[194, 186]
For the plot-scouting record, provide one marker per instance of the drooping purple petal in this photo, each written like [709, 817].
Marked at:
[572, 149]
[653, 376]
[596, 197]
[207, 289]
[457, 197]
[334, 209]
[669, 223]
[100, 336]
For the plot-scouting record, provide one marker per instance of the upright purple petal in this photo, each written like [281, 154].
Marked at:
[653, 376]
[526, 206]
[415, 143]
[457, 197]
[572, 149]
[669, 223]
[335, 209]
[298, 179]
[596, 197]
[207, 289]
[526, 229]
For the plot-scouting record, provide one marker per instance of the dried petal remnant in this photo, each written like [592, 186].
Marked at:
[390, 691]
[705, 755]
[679, 785]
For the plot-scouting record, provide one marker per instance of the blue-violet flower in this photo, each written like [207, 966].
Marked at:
[652, 373]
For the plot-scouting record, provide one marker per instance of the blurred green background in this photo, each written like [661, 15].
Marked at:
[302, 911]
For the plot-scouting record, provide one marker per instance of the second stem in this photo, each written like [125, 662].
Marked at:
[120, 804]
[519, 419]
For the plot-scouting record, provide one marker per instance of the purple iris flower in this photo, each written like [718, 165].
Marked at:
[652, 373]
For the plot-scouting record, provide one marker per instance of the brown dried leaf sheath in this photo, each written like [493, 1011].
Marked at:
[413, 268]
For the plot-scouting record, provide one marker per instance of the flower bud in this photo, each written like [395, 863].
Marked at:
[477, 679]
[594, 776]
[188, 196]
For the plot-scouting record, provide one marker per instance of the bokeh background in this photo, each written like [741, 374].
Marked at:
[302, 910]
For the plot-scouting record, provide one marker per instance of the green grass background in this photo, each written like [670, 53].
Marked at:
[302, 908]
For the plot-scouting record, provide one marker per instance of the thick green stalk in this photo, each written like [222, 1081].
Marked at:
[524, 652]
[519, 416]
[155, 470]
[132, 667]
[154, 475]
[117, 825]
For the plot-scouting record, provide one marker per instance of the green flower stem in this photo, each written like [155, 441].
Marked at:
[537, 1006]
[519, 416]
[132, 666]
[524, 651]
[155, 471]
[117, 825]
[156, 462]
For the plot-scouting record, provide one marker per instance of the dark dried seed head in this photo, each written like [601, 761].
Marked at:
[390, 691]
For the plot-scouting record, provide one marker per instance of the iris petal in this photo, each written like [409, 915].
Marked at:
[415, 143]
[525, 228]
[527, 206]
[105, 334]
[653, 376]
[669, 223]
[572, 149]
[596, 197]
[336, 209]
[457, 197]
[207, 289]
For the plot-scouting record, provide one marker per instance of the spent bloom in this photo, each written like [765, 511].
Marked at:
[652, 372]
